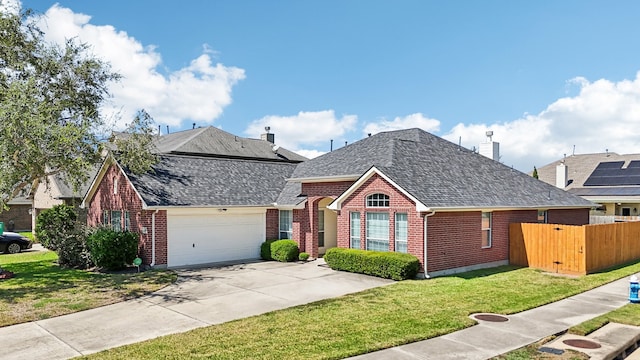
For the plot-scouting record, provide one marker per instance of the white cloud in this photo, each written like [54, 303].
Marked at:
[306, 127]
[10, 6]
[198, 92]
[310, 153]
[417, 120]
[604, 115]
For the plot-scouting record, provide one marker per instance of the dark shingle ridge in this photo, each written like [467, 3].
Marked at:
[212, 141]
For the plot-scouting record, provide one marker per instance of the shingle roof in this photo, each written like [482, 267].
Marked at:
[580, 167]
[66, 192]
[178, 180]
[439, 173]
[213, 141]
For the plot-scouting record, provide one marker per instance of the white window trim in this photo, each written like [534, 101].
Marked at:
[406, 234]
[290, 231]
[385, 198]
[490, 229]
[351, 229]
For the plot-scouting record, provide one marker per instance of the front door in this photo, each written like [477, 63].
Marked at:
[327, 226]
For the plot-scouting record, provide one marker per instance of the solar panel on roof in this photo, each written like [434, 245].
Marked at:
[612, 174]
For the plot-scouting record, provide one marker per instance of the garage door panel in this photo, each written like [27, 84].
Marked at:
[201, 239]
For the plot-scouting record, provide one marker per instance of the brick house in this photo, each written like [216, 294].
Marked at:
[406, 191]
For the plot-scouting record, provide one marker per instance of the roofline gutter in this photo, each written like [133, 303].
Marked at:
[325, 179]
[504, 208]
[206, 207]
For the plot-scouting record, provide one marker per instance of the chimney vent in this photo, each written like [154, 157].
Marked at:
[268, 136]
[490, 148]
[562, 173]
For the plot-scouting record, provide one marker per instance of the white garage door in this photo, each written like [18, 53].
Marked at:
[201, 238]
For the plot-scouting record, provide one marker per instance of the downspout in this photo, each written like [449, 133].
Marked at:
[153, 238]
[433, 212]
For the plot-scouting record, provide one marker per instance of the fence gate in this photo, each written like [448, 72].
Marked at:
[551, 247]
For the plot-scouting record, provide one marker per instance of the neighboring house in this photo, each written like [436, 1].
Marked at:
[215, 197]
[18, 215]
[56, 191]
[608, 179]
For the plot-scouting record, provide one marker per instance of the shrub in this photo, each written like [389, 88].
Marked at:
[389, 265]
[111, 249]
[55, 224]
[284, 250]
[303, 256]
[72, 249]
[265, 250]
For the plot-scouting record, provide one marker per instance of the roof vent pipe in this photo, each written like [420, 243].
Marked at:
[331, 149]
[167, 129]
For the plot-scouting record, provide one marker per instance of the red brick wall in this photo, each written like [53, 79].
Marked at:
[398, 203]
[141, 220]
[568, 217]
[273, 224]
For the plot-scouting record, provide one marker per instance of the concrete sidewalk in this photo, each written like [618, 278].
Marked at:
[200, 297]
[488, 339]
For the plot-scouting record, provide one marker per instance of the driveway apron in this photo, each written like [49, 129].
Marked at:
[200, 297]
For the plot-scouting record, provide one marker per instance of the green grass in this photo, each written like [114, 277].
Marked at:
[27, 234]
[41, 289]
[371, 320]
[628, 314]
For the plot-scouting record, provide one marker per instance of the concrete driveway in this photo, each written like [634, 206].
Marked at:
[200, 297]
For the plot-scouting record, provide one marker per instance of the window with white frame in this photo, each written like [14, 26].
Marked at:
[401, 232]
[127, 221]
[320, 228]
[354, 228]
[116, 220]
[543, 216]
[115, 185]
[377, 231]
[105, 217]
[486, 229]
[378, 200]
[286, 224]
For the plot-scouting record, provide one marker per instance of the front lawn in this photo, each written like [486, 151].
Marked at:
[41, 289]
[371, 320]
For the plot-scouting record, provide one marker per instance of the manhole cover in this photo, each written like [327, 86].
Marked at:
[491, 317]
[583, 344]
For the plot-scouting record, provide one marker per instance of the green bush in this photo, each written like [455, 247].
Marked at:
[303, 256]
[72, 249]
[389, 265]
[55, 224]
[265, 250]
[284, 250]
[111, 249]
[57, 229]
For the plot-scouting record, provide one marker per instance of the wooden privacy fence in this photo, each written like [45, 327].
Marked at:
[576, 250]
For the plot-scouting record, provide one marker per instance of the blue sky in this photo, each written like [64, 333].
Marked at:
[543, 75]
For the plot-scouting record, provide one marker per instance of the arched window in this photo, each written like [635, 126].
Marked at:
[378, 200]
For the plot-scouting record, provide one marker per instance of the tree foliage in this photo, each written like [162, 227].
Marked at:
[535, 173]
[50, 99]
